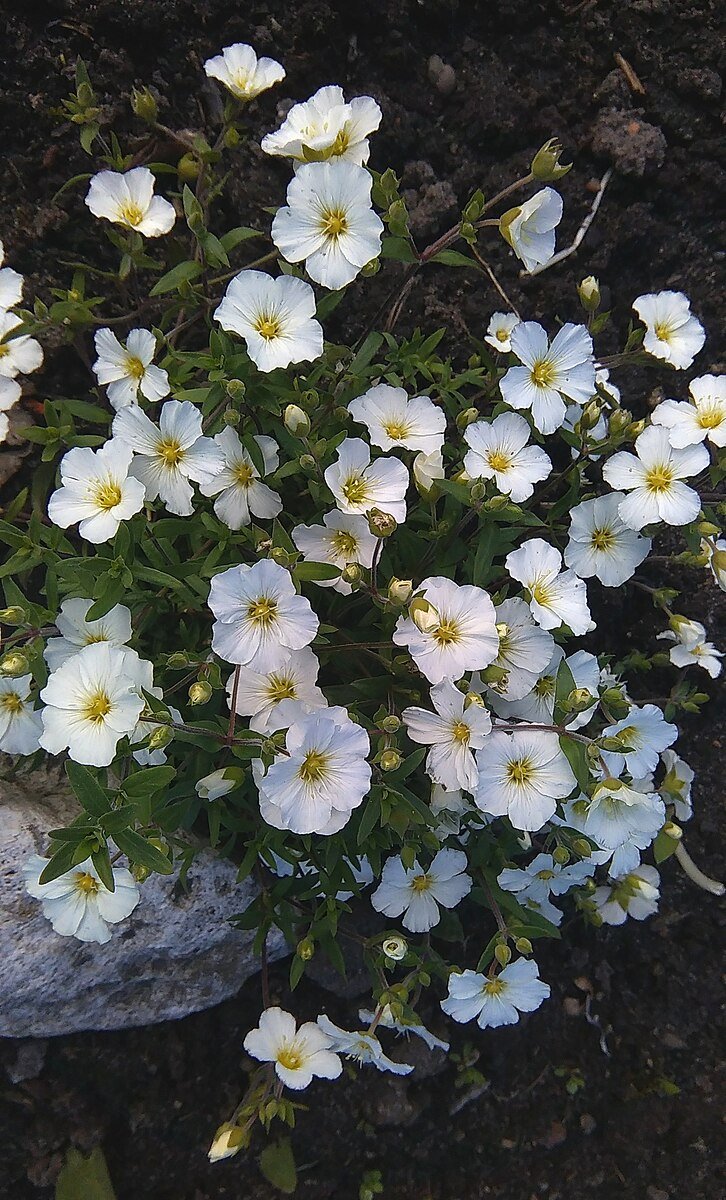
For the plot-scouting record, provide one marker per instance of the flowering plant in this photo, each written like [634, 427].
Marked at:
[318, 605]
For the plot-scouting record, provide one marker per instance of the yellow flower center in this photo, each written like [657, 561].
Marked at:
[241, 82]
[262, 611]
[355, 489]
[86, 883]
[544, 686]
[543, 373]
[710, 416]
[90, 639]
[520, 771]
[130, 213]
[498, 460]
[461, 732]
[541, 593]
[334, 222]
[280, 687]
[107, 495]
[244, 474]
[447, 633]
[268, 326]
[493, 987]
[11, 702]
[313, 767]
[545, 875]
[421, 883]
[502, 335]
[396, 430]
[602, 539]
[505, 639]
[341, 143]
[97, 706]
[344, 543]
[135, 367]
[631, 736]
[663, 331]
[659, 478]
[290, 1057]
[170, 451]
[4, 349]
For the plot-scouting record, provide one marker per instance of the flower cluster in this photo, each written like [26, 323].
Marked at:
[20, 354]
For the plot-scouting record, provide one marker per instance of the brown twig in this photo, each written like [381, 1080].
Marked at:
[632, 80]
[579, 236]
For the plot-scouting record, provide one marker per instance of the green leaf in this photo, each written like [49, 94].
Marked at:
[86, 787]
[153, 779]
[314, 570]
[277, 1164]
[183, 272]
[576, 755]
[399, 249]
[84, 1178]
[663, 847]
[140, 851]
[241, 233]
[102, 862]
[59, 863]
[564, 685]
[453, 258]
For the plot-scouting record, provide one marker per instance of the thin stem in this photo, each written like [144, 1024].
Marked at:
[485, 267]
[559, 729]
[233, 705]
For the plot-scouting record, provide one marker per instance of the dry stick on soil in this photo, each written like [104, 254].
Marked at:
[634, 83]
[485, 267]
[579, 236]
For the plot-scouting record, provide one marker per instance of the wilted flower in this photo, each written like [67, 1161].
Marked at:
[530, 227]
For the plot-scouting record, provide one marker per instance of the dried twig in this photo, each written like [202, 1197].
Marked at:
[633, 82]
[487, 269]
[578, 238]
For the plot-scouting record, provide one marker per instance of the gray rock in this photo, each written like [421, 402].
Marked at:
[176, 953]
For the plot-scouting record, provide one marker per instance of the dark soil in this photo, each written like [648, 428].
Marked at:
[642, 1055]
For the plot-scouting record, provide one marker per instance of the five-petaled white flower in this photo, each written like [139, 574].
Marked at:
[463, 634]
[276, 318]
[538, 705]
[453, 732]
[671, 331]
[645, 732]
[127, 370]
[260, 618]
[495, 1000]
[525, 649]
[97, 491]
[392, 419]
[633, 895]
[499, 331]
[361, 1046]
[325, 127]
[91, 702]
[127, 198]
[76, 632]
[18, 355]
[78, 904]
[619, 815]
[167, 456]
[530, 227]
[418, 893]
[241, 494]
[704, 419]
[566, 368]
[601, 544]
[691, 647]
[499, 451]
[329, 222]
[359, 484]
[653, 476]
[242, 72]
[543, 877]
[340, 540]
[298, 1054]
[20, 721]
[557, 597]
[522, 775]
[258, 694]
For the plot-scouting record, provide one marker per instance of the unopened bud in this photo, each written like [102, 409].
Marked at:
[235, 389]
[296, 421]
[635, 428]
[707, 529]
[144, 104]
[187, 168]
[478, 490]
[523, 945]
[371, 268]
[400, 590]
[305, 949]
[497, 503]
[231, 138]
[425, 617]
[307, 462]
[381, 524]
[395, 948]
[177, 661]
[582, 847]
[561, 855]
[279, 555]
[578, 700]
[589, 292]
[140, 873]
[200, 692]
[671, 830]
[14, 615]
[160, 737]
[13, 663]
[502, 953]
[590, 416]
[351, 573]
[228, 1141]
[467, 417]
[619, 420]
[615, 702]
[391, 723]
[230, 416]
[493, 675]
[390, 760]
[546, 165]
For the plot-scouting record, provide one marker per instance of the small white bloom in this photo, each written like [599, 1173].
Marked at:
[499, 331]
[499, 451]
[465, 637]
[167, 456]
[361, 1046]
[617, 815]
[522, 775]
[96, 491]
[325, 127]
[601, 544]
[329, 222]
[525, 650]
[647, 732]
[276, 318]
[634, 895]
[259, 694]
[340, 540]
[557, 597]
[240, 493]
[359, 484]
[676, 785]
[530, 228]
[453, 732]
[78, 904]
[127, 370]
[76, 632]
[11, 285]
[393, 419]
[671, 331]
[549, 372]
[10, 393]
[702, 420]
[298, 1054]
[91, 702]
[538, 705]
[417, 894]
[497, 1000]
[533, 884]
[242, 72]
[18, 355]
[388, 1021]
[214, 786]
[653, 476]
[691, 647]
[427, 470]
[20, 721]
[127, 198]
[260, 619]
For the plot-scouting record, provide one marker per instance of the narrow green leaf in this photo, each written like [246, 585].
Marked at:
[153, 779]
[86, 787]
[140, 851]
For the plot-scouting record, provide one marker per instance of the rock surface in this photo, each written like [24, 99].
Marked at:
[176, 954]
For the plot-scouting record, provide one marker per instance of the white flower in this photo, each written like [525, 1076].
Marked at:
[167, 456]
[453, 732]
[538, 705]
[676, 785]
[340, 540]
[691, 647]
[703, 419]
[427, 469]
[214, 786]
[91, 702]
[392, 419]
[499, 451]
[388, 1021]
[359, 484]
[322, 777]
[329, 222]
[617, 814]
[20, 722]
[276, 318]
[298, 1054]
[601, 545]
[653, 476]
[78, 904]
[646, 731]
[127, 198]
[530, 228]
[671, 331]
[498, 1000]
[325, 127]
[260, 619]
[96, 491]
[549, 372]
[242, 72]
[465, 638]
[76, 632]
[634, 895]
[524, 649]
[18, 355]
[10, 393]
[127, 370]
[11, 284]
[533, 884]
[361, 1046]
[259, 694]
[557, 597]
[240, 493]
[522, 775]
[499, 331]
[417, 894]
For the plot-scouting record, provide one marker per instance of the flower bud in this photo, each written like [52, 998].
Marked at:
[395, 948]
[671, 830]
[200, 692]
[615, 702]
[635, 428]
[371, 268]
[578, 700]
[296, 421]
[478, 490]
[590, 416]
[177, 661]
[381, 524]
[502, 953]
[228, 1141]
[230, 416]
[231, 138]
[497, 503]
[718, 566]
[351, 573]
[391, 723]
[279, 555]
[140, 874]
[424, 616]
[561, 855]
[400, 590]
[589, 292]
[13, 663]
[390, 760]
[235, 389]
[582, 847]
[307, 462]
[144, 104]
[546, 165]
[493, 675]
[619, 420]
[160, 737]
[707, 529]
[467, 417]
[305, 949]
[14, 615]
[523, 945]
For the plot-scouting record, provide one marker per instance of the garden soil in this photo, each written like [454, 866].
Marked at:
[612, 1088]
